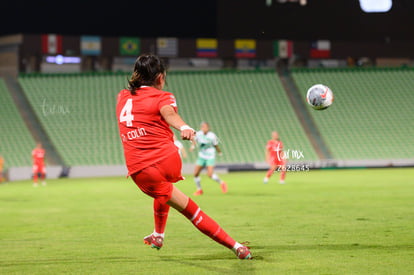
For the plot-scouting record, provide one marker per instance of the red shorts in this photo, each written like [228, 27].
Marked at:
[276, 161]
[38, 168]
[156, 180]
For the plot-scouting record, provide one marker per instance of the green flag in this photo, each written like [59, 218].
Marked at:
[129, 45]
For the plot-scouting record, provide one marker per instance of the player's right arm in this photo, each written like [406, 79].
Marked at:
[174, 120]
[267, 153]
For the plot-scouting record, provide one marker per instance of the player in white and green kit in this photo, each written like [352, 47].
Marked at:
[207, 143]
[181, 149]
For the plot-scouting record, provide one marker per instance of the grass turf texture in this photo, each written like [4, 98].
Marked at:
[319, 222]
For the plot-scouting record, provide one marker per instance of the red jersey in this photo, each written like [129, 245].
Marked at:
[38, 156]
[146, 136]
[275, 147]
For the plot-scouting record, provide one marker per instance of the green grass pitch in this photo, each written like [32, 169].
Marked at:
[319, 222]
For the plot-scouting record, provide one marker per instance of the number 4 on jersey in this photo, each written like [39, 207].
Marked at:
[126, 113]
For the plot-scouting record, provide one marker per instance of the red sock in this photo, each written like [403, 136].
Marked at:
[207, 225]
[269, 173]
[42, 176]
[35, 177]
[160, 216]
[282, 175]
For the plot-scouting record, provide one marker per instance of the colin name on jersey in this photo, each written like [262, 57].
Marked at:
[136, 133]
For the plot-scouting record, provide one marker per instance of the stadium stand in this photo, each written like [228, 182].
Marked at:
[243, 107]
[16, 142]
[78, 113]
[372, 114]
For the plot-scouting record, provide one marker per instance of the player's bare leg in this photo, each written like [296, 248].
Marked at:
[215, 177]
[197, 180]
[205, 224]
[270, 172]
[35, 176]
[282, 174]
[42, 177]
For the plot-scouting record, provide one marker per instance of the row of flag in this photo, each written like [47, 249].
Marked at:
[89, 45]
[244, 48]
[168, 47]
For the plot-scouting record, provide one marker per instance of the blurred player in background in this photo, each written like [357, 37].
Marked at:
[145, 114]
[181, 149]
[275, 158]
[208, 145]
[38, 156]
[1, 169]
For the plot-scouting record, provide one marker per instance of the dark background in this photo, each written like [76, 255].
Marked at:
[226, 19]
[320, 19]
[148, 18]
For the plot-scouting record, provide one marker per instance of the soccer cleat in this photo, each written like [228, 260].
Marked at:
[199, 192]
[265, 180]
[35, 184]
[223, 187]
[43, 183]
[243, 253]
[154, 242]
[282, 182]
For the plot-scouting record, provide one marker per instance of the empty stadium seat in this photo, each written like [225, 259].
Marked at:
[78, 114]
[16, 142]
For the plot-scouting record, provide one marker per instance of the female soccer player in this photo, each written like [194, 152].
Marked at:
[208, 145]
[38, 157]
[145, 114]
[1, 169]
[274, 156]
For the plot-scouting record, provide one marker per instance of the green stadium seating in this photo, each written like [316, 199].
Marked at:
[371, 117]
[242, 108]
[16, 142]
[82, 127]
[372, 113]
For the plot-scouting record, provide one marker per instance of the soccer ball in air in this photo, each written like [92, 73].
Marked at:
[319, 97]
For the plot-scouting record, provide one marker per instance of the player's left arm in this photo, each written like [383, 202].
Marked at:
[175, 120]
[220, 153]
[215, 143]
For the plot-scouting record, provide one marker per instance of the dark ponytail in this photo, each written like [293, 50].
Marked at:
[146, 70]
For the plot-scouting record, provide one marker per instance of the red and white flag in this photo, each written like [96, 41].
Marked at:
[320, 49]
[51, 44]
